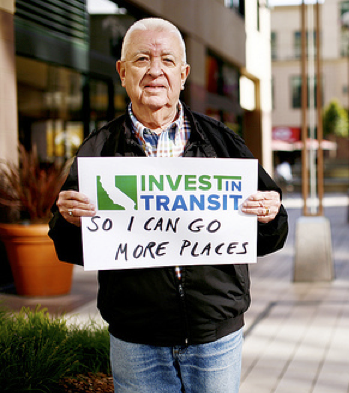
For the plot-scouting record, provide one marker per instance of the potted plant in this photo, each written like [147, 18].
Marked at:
[27, 192]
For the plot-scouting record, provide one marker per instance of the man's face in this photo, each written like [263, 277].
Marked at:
[152, 72]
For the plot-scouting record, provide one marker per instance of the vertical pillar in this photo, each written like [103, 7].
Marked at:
[8, 83]
[8, 111]
[320, 154]
[305, 180]
[313, 248]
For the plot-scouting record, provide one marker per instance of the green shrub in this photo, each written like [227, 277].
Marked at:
[90, 343]
[335, 119]
[36, 351]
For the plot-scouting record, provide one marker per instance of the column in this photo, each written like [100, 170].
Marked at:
[8, 83]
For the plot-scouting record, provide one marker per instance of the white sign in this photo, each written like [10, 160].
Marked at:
[167, 211]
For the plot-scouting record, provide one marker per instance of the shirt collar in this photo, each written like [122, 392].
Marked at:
[139, 128]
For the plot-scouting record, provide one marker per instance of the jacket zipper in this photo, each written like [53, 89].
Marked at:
[178, 273]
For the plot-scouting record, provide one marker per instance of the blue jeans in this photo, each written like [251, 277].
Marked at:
[205, 368]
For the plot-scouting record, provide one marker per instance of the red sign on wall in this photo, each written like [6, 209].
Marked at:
[286, 134]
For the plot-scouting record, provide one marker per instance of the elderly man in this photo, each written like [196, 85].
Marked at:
[171, 329]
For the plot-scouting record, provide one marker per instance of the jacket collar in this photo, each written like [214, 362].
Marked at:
[198, 136]
[122, 142]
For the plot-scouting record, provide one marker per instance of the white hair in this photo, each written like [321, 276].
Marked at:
[153, 24]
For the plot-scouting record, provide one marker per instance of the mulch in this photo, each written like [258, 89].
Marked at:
[88, 383]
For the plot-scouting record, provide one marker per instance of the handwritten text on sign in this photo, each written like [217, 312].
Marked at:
[167, 211]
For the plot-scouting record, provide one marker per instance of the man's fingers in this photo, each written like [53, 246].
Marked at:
[264, 204]
[73, 196]
[73, 204]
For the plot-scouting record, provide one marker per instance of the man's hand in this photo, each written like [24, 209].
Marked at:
[264, 204]
[72, 205]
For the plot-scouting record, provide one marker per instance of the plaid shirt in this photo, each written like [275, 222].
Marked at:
[170, 143]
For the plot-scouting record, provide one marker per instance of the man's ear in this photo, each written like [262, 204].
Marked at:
[120, 68]
[185, 71]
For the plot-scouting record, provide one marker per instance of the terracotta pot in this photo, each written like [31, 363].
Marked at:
[35, 267]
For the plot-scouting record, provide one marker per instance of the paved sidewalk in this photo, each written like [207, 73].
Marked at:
[296, 334]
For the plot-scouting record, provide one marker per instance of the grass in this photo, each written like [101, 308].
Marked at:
[36, 350]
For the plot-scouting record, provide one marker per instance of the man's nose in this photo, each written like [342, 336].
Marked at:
[155, 67]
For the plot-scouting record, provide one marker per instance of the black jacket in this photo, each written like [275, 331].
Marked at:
[146, 305]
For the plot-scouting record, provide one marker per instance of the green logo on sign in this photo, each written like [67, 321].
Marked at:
[117, 192]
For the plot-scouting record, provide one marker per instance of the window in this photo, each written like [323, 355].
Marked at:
[298, 43]
[273, 92]
[222, 85]
[296, 89]
[237, 5]
[49, 108]
[273, 44]
[222, 78]
[344, 18]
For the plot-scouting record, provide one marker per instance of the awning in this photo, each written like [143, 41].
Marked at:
[312, 144]
[281, 146]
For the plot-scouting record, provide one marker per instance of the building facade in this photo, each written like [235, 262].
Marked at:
[286, 68]
[58, 79]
